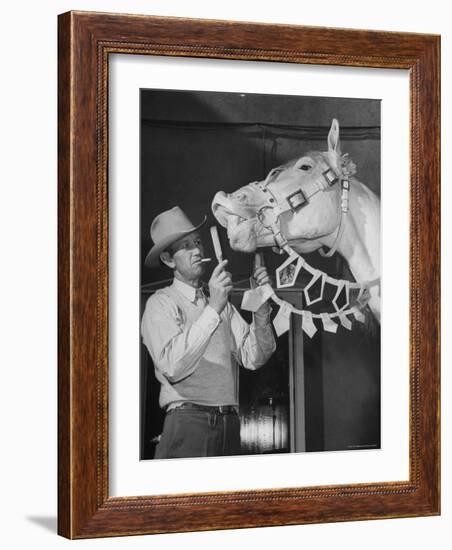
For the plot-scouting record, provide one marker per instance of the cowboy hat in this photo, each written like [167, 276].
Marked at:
[167, 228]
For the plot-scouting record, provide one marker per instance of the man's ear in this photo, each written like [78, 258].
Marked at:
[167, 259]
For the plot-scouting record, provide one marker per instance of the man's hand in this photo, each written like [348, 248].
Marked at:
[261, 277]
[220, 285]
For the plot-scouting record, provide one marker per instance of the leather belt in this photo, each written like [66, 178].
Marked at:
[220, 409]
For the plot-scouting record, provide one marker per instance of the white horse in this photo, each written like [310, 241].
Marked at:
[310, 203]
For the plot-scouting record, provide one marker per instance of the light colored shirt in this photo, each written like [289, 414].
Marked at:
[195, 351]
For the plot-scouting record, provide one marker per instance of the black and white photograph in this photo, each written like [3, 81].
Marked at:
[260, 283]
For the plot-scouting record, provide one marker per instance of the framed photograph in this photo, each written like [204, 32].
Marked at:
[283, 367]
[248, 136]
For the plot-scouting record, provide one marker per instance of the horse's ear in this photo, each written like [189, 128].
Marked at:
[333, 137]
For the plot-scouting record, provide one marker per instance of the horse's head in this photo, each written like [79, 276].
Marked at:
[300, 198]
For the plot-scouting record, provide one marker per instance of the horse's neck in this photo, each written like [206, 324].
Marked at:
[360, 241]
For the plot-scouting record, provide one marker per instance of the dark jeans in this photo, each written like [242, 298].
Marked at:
[191, 433]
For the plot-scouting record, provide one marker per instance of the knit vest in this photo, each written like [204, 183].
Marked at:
[215, 380]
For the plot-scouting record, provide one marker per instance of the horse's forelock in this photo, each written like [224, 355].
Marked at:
[317, 156]
[342, 163]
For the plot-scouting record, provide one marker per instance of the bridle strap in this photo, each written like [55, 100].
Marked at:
[345, 186]
[332, 250]
[275, 228]
[297, 197]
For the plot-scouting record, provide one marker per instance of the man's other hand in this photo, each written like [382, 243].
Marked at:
[261, 277]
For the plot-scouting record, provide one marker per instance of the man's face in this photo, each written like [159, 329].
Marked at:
[184, 257]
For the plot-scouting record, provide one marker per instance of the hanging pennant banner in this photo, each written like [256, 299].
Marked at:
[282, 320]
[345, 321]
[359, 315]
[312, 294]
[328, 324]
[254, 298]
[342, 297]
[287, 273]
[363, 295]
[308, 324]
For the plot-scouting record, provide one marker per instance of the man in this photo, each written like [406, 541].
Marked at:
[196, 343]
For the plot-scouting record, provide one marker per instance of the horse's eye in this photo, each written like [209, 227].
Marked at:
[305, 167]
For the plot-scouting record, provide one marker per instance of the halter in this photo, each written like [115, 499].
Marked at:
[295, 198]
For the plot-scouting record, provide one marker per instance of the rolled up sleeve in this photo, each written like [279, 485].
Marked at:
[175, 350]
[253, 344]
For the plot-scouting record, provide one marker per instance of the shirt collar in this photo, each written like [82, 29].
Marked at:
[186, 290]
